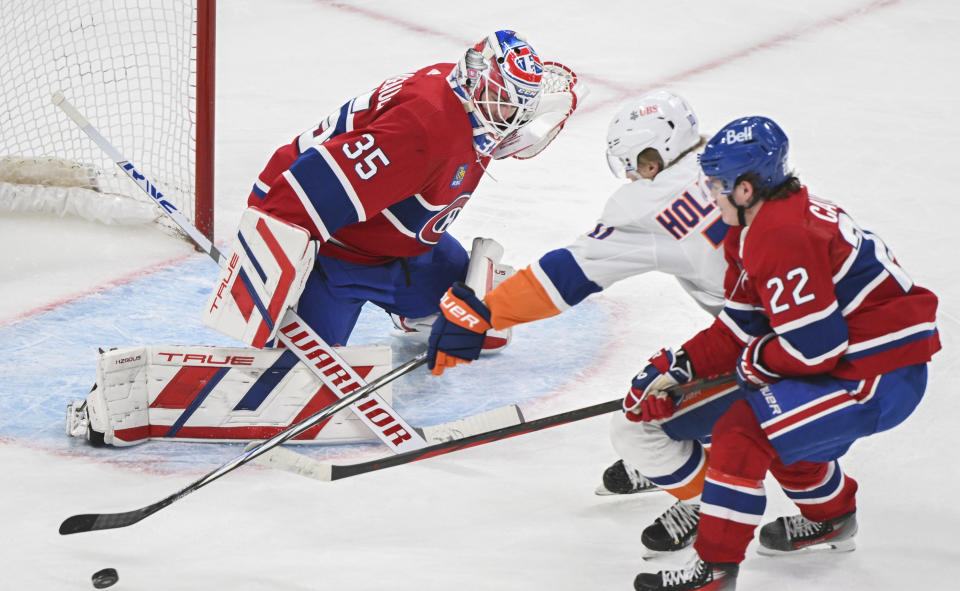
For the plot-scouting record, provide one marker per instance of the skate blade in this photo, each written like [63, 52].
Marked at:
[602, 491]
[848, 545]
[654, 556]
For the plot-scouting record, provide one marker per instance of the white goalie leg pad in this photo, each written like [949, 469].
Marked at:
[198, 393]
[563, 91]
[418, 327]
[265, 275]
[119, 398]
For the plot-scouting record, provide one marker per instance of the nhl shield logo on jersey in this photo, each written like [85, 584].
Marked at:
[459, 176]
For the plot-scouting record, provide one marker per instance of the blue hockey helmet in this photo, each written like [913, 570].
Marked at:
[751, 144]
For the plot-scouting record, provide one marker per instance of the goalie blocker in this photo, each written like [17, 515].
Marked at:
[265, 275]
[193, 393]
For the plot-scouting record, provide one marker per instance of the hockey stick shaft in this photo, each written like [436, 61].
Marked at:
[98, 521]
[321, 471]
[325, 363]
[142, 181]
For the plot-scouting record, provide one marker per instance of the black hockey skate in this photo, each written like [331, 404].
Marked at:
[796, 532]
[619, 479]
[674, 530]
[698, 575]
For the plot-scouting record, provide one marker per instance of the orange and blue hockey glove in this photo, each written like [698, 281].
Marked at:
[458, 334]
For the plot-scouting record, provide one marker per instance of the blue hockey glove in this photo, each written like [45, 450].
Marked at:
[648, 399]
[751, 373]
[458, 334]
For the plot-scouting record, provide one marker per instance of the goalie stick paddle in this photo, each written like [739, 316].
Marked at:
[95, 521]
[291, 461]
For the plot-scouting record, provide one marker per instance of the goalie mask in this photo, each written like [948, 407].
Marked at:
[660, 120]
[500, 78]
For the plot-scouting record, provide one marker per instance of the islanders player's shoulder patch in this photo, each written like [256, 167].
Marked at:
[459, 176]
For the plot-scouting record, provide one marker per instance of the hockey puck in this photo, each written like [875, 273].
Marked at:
[104, 578]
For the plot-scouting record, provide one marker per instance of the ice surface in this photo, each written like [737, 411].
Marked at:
[863, 89]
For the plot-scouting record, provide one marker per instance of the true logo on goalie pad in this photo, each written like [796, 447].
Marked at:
[222, 393]
[264, 276]
[226, 279]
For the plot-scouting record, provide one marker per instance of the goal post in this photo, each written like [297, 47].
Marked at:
[143, 71]
[206, 43]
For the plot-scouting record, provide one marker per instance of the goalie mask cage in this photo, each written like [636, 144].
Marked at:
[142, 72]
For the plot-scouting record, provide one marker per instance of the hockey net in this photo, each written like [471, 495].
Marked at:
[142, 72]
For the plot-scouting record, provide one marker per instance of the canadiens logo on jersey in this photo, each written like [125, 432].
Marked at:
[436, 226]
[459, 176]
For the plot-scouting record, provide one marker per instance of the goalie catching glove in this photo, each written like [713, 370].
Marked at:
[563, 92]
[648, 399]
[458, 334]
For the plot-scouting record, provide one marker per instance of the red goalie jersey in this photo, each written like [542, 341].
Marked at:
[831, 294]
[384, 176]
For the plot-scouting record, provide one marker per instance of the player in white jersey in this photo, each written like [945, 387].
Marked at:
[661, 221]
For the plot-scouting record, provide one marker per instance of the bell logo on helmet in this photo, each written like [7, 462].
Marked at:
[734, 137]
[752, 144]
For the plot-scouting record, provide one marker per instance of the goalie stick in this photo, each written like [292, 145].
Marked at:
[296, 334]
[97, 521]
[283, 458]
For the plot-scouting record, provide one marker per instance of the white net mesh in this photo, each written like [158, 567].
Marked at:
[130, 67]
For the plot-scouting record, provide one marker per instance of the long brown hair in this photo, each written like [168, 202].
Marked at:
[652, 156]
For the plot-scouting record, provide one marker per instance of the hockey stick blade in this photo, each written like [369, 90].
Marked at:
[306, 466]
[97, 521]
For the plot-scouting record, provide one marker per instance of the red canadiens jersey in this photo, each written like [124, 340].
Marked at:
[383, 176]
[832, 293]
